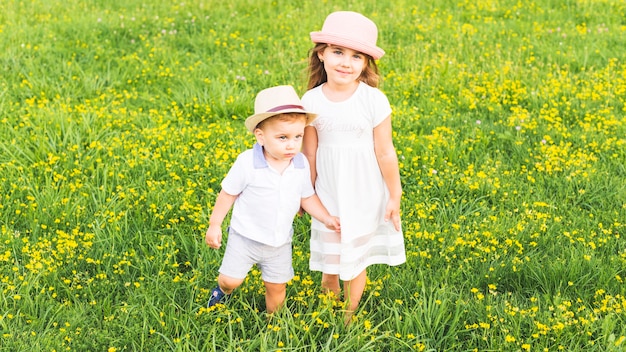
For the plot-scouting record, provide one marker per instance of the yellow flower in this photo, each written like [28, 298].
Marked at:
[367, 324]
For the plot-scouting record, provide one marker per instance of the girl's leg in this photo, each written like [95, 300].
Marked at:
[353, 290]
[274, 296]
[330, 283]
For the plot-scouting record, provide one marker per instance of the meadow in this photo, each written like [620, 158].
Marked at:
[120, 118]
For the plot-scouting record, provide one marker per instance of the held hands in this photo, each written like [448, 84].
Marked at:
[213, 236]
[392, 211]
[332, 223]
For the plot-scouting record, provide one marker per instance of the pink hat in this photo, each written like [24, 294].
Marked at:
[351, 30]
[274, 101]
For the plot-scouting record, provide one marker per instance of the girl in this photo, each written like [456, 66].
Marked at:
[354, 165]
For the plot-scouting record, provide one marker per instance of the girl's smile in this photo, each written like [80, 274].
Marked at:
[343, 65]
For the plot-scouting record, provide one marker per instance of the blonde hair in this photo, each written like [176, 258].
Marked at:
[317, 74]
[284, 117]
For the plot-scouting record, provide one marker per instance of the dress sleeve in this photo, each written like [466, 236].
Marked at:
[307, 103]
[380, 107]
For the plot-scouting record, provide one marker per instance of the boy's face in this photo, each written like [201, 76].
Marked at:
[281, 139]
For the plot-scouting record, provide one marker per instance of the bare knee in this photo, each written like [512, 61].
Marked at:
[274, 296]
[228, 284]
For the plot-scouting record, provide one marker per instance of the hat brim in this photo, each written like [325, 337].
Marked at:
[326, 38]
[256, 119]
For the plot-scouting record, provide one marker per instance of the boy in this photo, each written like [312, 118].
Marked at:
[267, 186]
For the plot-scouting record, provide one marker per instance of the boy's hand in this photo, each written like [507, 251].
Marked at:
[333, 223]
[213, 236]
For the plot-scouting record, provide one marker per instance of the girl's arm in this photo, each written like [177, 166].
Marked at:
[309, 149]
[388, 163]
[223, 203]
[316, 209]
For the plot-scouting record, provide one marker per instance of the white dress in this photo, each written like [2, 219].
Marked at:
[350, 185]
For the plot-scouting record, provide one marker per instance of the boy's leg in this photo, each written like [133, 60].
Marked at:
[276, 269]
[228, 284]
[225, 286]
[274, 296]
[236, 263]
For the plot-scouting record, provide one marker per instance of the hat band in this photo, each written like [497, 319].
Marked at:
[285, 107]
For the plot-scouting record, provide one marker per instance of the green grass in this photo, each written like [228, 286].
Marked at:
[119, 119]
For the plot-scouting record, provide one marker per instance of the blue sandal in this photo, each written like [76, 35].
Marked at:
[217, 295]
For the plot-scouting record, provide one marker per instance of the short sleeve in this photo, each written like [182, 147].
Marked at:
[307, 103]
[236, 180]
[307, 187]
[380, 106]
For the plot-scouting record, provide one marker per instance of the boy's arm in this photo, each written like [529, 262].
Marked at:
[316, 209]
[223, 203]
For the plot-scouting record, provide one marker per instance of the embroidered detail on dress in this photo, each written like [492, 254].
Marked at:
[333, 125]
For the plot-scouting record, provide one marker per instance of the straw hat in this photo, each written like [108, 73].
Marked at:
[351, 30]
[276, 100]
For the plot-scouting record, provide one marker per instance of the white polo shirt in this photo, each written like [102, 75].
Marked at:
[267, 201]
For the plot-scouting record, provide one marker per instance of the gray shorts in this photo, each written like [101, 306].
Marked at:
[242, 253]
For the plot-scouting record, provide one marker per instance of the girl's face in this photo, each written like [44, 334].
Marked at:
[343, 66]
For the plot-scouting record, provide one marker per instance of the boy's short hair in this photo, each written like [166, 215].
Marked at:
[284, 117]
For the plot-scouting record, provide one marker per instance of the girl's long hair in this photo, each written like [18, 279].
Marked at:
[317, 74]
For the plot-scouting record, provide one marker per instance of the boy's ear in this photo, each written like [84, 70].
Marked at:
[258, 133]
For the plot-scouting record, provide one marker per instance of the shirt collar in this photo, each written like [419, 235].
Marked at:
[260, 162]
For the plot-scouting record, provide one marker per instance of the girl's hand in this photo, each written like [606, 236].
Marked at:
[213, 237]
[392, 211]
[333, 223]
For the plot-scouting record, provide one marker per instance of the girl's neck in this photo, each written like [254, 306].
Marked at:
[338, 93]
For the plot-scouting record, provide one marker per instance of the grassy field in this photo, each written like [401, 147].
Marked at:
[120, 118]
